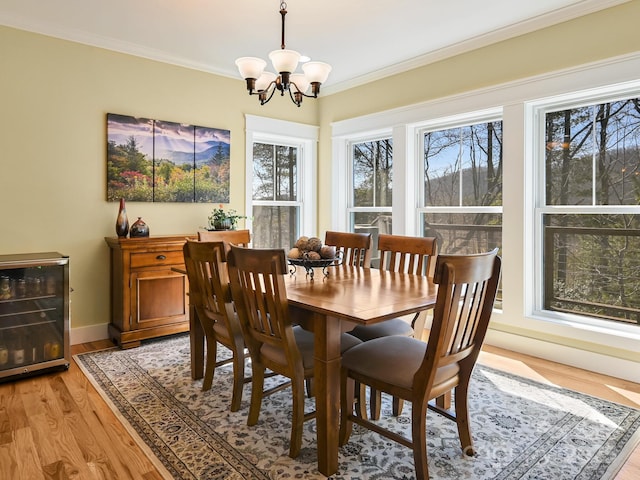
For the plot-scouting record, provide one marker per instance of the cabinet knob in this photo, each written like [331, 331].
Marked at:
[161, 257]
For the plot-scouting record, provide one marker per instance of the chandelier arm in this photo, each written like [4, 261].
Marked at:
[263, 97]
[308, 96]
[295, 98]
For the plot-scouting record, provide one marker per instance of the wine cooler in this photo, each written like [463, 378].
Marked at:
[34, 314]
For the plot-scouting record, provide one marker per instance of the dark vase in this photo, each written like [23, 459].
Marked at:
[139, 229]
[122, 222]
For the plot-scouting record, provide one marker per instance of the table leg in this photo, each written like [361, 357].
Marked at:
[327, 391]
[196, 336]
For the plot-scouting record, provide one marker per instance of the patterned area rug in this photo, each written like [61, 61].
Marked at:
[522, 429]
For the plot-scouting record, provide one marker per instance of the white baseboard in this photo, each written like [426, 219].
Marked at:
[595, 362]
[91, 333]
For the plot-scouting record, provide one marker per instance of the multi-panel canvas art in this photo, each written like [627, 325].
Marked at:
[157, 161]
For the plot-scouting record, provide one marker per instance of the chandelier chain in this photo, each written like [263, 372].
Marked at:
[283, 13]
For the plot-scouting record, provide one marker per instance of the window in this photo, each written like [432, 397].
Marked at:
[462, 187]
[371, 187]
[281, 181]
[590, 224]
[276, 209]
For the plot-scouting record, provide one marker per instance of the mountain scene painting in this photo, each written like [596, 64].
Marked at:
[159, 161]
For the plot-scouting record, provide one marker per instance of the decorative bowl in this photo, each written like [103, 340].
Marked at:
[309, 265]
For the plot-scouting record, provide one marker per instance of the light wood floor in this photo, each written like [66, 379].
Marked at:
[56, 426]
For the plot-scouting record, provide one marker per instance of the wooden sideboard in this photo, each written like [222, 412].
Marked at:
[148, 297]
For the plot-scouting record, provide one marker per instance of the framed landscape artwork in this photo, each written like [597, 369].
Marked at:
[158, 161]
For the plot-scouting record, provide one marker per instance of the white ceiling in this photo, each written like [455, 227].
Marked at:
[362, 39]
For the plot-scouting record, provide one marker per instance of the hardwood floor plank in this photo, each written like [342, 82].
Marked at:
[8, 462]
[43, 439]
[5, 424]
[25, 449]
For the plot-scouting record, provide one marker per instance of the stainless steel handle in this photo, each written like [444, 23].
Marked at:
[161, 257]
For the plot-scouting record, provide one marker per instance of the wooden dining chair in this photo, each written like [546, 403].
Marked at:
[210, 293]
[355, 247]
[236, 237]
[257, 284]
[419, 372]
[398, 253]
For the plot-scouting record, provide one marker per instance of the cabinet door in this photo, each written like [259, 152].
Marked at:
[158, 297]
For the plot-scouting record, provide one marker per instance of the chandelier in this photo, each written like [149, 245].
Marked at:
[265, 84]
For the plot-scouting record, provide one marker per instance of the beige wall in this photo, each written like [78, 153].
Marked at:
[55, 96]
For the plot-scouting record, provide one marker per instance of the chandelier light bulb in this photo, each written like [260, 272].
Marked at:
[263, 82]
[250, 67]
[316, 71]
[284, 60]
[301, 82]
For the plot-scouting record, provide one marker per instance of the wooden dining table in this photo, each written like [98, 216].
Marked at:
[330, 305]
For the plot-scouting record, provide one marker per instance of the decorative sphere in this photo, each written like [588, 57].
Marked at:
[328, 251]
[313, 255]
[314, 244]
[301, 243]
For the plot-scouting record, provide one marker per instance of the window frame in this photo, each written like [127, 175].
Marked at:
[301, 136]
[537, 111]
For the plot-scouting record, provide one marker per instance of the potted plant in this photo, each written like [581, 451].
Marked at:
[223, 220]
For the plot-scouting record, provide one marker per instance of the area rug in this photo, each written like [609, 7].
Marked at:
[522, 429]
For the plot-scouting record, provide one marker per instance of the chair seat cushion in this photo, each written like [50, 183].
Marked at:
[394, 326]
[222, 332]
[393, 360]
[304, 340]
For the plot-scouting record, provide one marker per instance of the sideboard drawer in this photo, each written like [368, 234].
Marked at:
[151, 259]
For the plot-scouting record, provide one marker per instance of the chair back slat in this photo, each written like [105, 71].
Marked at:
[467, 287]
[355, 247]
[414, 255]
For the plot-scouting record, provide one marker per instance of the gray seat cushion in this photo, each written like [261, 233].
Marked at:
[394, 360]
[305, 339]
[394, 326]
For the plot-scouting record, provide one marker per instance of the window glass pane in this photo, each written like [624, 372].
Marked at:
[275, 226]
[618, 157]
[286, 172]
[592, 265]
[463, 166]
[372, 173]
[263, 168]
[464, 233]
[593, 155]
[442, 167]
